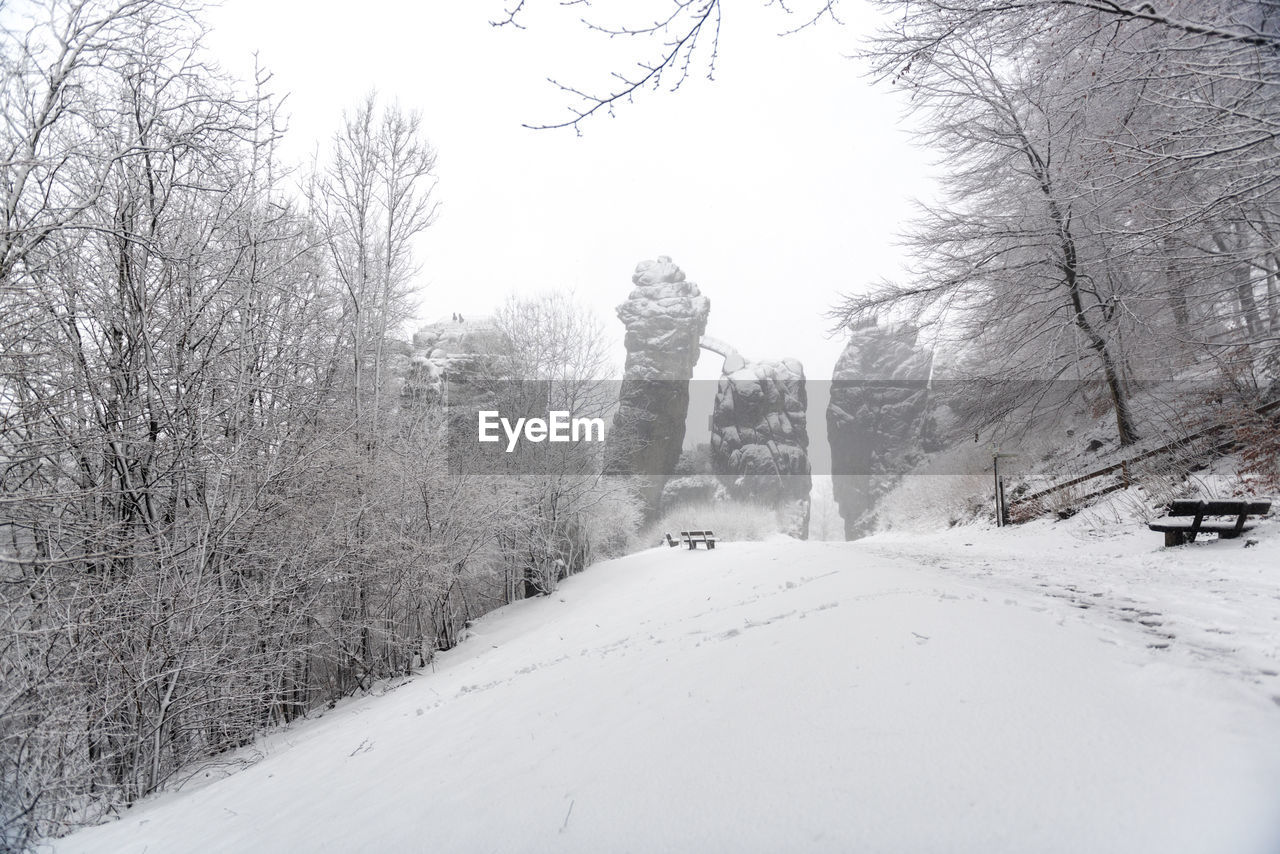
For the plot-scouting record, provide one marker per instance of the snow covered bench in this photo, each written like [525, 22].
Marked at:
[1185, 519]
[692, 538]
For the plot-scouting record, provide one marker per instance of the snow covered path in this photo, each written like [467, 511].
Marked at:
[1213, 603]
[892, 695]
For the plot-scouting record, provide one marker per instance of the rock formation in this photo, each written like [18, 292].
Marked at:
[760, 438]
[665, 317]
[876, 418]
[455, 349]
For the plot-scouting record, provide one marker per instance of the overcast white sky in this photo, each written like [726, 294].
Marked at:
[774, 187]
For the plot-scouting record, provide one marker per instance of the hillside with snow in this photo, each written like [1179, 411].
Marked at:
[1034, 689]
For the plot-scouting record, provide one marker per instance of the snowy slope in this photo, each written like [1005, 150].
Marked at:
[894, 695]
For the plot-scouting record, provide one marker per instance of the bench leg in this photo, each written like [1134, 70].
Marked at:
[1231, 535]
[1190, 536]
[1173, 538]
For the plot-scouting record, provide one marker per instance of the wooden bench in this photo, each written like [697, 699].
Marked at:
[1183, 520]
[692, 538]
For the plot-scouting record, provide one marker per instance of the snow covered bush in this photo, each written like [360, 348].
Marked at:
[950, 487]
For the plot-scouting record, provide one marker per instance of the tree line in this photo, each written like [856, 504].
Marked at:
[220, 508]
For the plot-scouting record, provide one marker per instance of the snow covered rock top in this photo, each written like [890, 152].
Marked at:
[454, 338]
[664, 312]
[450, 348]
[657, 272]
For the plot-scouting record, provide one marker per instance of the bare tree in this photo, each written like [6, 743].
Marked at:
[164, 372]
[679, 38]
[372, 200]
[556, 359]
[1006, 254]
[1107, 173]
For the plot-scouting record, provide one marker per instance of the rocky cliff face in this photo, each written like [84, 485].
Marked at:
[876, 418]
[760, 438]
[455, 349]
[665, 316]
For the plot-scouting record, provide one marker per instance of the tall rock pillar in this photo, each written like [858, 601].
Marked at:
[665, 317]
[876, 418]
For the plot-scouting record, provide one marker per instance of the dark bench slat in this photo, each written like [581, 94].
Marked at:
[1178, 531]
[692, 538]
[1210, 527]
[1185, 507]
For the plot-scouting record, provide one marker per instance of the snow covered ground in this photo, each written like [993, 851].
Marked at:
[1031, 689]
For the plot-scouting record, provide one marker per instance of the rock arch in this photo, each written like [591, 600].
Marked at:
[759, 441]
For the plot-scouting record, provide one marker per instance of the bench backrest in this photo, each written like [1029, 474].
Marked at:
[1187, 507]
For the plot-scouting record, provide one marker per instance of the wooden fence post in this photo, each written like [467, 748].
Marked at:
[995, 468]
